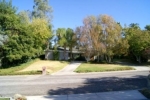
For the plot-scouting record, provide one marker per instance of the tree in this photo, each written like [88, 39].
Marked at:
[138, 41]
[147, 27]
[41, 9]
[9, 26]
[24, 17]
[100, 35]
[22, 39]
[41, 34]
[62, 41]
[90, 37]
[71, 40]
[112, 35]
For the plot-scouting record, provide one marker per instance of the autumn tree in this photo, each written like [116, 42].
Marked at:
[101, 35]
[89, 36]
[112, 35]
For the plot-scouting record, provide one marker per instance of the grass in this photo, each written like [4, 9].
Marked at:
[34, 67]
[145, 92]
[51, 66]
[84, 68]
[15, 70]
[55, 66]
[1, 98]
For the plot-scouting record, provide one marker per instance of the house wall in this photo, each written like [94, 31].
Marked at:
[49, 55]
[61, 55]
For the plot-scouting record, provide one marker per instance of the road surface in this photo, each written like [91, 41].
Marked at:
[72, 84]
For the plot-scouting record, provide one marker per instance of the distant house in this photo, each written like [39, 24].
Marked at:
[49, 54]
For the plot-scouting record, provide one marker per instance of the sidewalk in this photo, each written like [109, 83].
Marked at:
[117, 95]
[69, 69]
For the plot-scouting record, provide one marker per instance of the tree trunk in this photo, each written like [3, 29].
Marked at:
[65, 52]
[138, 59]
[108, 59]
[47, 46]
[71, 53]
[98, 57]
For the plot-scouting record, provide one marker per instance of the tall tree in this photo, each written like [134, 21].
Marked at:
[112, 35]
[71, 40]
[42, 33]
[90, 35]
[24, 17]
[138, 41]
[101, 35]
[17, 47]
[22, 40]
[147, 27]
[41, 9]
[62, 41]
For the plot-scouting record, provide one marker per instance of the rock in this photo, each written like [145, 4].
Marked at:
[19, 97]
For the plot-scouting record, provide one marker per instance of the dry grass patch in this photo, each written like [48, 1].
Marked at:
[83, 68]
[51, 66]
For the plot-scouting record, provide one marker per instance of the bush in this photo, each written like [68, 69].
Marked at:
[145, 92]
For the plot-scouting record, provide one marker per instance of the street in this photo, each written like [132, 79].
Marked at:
[72, 84]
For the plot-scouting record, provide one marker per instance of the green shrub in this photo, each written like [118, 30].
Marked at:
[145, 92]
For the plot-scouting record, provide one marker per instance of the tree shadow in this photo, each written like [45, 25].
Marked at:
[93, 85]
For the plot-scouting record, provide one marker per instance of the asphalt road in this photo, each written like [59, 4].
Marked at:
[72, 84]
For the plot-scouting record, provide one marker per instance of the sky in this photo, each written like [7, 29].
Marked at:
[70, 13]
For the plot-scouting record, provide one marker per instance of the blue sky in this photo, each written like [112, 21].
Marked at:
[70, 13]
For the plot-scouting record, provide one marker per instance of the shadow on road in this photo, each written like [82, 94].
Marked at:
[101, 85]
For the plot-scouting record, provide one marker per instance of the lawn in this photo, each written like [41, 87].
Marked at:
[84, 68]
[15, 70]
[34, 67]
[51, 66]
[4, 98]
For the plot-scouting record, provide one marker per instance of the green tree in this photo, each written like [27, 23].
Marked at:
[138, 40]
[21, 39]
[9, 26]
[147, 27]
[41, 9]
[41, 34]
[71, 40]
[62, 41]
[24, 17]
